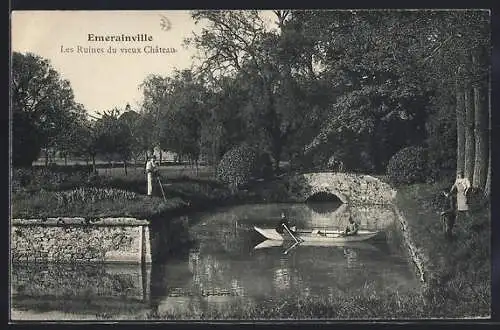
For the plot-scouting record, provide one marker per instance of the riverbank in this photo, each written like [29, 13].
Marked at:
[113, 194]
[457, 271]
[457, 283]
[457, 274]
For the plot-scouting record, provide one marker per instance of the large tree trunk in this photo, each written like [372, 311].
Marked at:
[272, 128]
[46, 157]
[470, 146]
[480, 129]
[460, 128]
[481, 139]
[487, 185]
[94, 169]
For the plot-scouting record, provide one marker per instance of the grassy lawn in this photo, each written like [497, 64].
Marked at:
[361, 305]
[167, 172]
[113, 193]
[89, 202]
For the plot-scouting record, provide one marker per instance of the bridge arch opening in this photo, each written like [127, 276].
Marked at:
[323, 202]
[323, 196]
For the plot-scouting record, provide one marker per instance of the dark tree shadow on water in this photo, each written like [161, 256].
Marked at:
[161, 281]
[170, 238]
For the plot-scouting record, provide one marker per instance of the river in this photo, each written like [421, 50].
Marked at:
[226, 263]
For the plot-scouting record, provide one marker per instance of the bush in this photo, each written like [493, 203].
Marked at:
[51, 178]
[242, 164]
[408, 165]
[26, 140]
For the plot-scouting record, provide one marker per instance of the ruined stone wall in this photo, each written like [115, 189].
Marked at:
[74, 240]
[80, 280]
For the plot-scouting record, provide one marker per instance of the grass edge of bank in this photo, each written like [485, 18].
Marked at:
[458, 272]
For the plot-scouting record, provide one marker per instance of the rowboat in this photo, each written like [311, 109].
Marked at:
[316, 236]
[268, 243]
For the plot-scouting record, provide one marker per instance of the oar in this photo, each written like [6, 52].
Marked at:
[291, 247]
[161, 187]
[296, 240]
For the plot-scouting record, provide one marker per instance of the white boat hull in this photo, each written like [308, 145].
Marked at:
[269, 243]
[310, 236]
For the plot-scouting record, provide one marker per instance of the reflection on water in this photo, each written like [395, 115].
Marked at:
[223, 267]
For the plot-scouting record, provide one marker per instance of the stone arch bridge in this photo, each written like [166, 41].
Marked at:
[350, 188]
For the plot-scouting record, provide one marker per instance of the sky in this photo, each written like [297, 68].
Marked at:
[104, 81]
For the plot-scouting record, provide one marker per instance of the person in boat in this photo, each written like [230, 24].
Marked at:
[351, 228]
[284, 222]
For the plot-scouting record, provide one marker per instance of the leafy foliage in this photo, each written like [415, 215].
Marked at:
[409, 165]
[43, 106]
[113, 136]
[242, 163]
[26, 144]
[51, 178]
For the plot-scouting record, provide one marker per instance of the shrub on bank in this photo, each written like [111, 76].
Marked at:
[242, 163]
[52, 178]
[408, 166]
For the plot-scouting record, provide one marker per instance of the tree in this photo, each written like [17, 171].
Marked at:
[155, 88]
[460, 109]
[182, 115]
[381, 105]
[469, 134]
[86, 146]
[238, 44]
[461, 40]
[395, 71]
[26, 144]
[42, 101]
[139, 132]
[480, 130]
[113, 137]
[226, 125]
[67, 142]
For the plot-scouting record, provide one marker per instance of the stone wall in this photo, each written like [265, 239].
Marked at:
[349, 188]
[80, 280]
[369, 217]
[77, 291]
[78, 240]
[415, 254]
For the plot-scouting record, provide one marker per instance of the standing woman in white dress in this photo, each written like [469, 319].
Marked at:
[461, 187]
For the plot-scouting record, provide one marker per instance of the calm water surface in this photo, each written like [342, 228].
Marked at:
[223, 266]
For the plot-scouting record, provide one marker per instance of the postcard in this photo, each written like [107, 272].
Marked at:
[248, 165]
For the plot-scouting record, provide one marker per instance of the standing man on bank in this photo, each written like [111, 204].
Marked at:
[151, 170]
